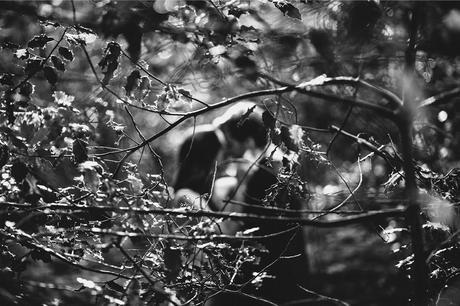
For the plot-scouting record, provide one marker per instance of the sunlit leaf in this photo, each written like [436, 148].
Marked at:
[21, 54]
[61, 98]
[318, 81]
[88, 283]
[217, 50]
[80, 38]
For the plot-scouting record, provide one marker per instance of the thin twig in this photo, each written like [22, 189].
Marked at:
[241, 180]
[370, 146]
[342, 126]
[371, 215]
[297, 211]
[152, 151]
[147, 277]
[324, 296]
[350, 195]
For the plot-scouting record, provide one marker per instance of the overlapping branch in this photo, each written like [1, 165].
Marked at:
[358, 217]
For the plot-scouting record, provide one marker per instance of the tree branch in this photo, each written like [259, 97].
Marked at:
[214, 214]
[440, 98]
[361, 141]
[370, 215]
[302, 88]
[33, 245]
[344, 80]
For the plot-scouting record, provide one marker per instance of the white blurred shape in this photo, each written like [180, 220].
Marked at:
[452, 20]
[442, 116]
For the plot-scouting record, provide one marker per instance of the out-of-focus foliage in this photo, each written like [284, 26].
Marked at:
[85, 83]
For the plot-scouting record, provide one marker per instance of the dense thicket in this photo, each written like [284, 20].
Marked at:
[360, 100]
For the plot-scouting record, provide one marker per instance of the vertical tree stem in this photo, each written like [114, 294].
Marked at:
[413, 218]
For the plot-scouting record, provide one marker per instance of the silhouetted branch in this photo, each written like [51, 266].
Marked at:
[302, 88]
[413, 218]
[391, 160]
[371, 215]
[28, 242]
[344, 80]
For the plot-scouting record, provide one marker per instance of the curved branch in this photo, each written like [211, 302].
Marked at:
[344, 80]
[366, 217]
[299, 88]
[370, 146]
